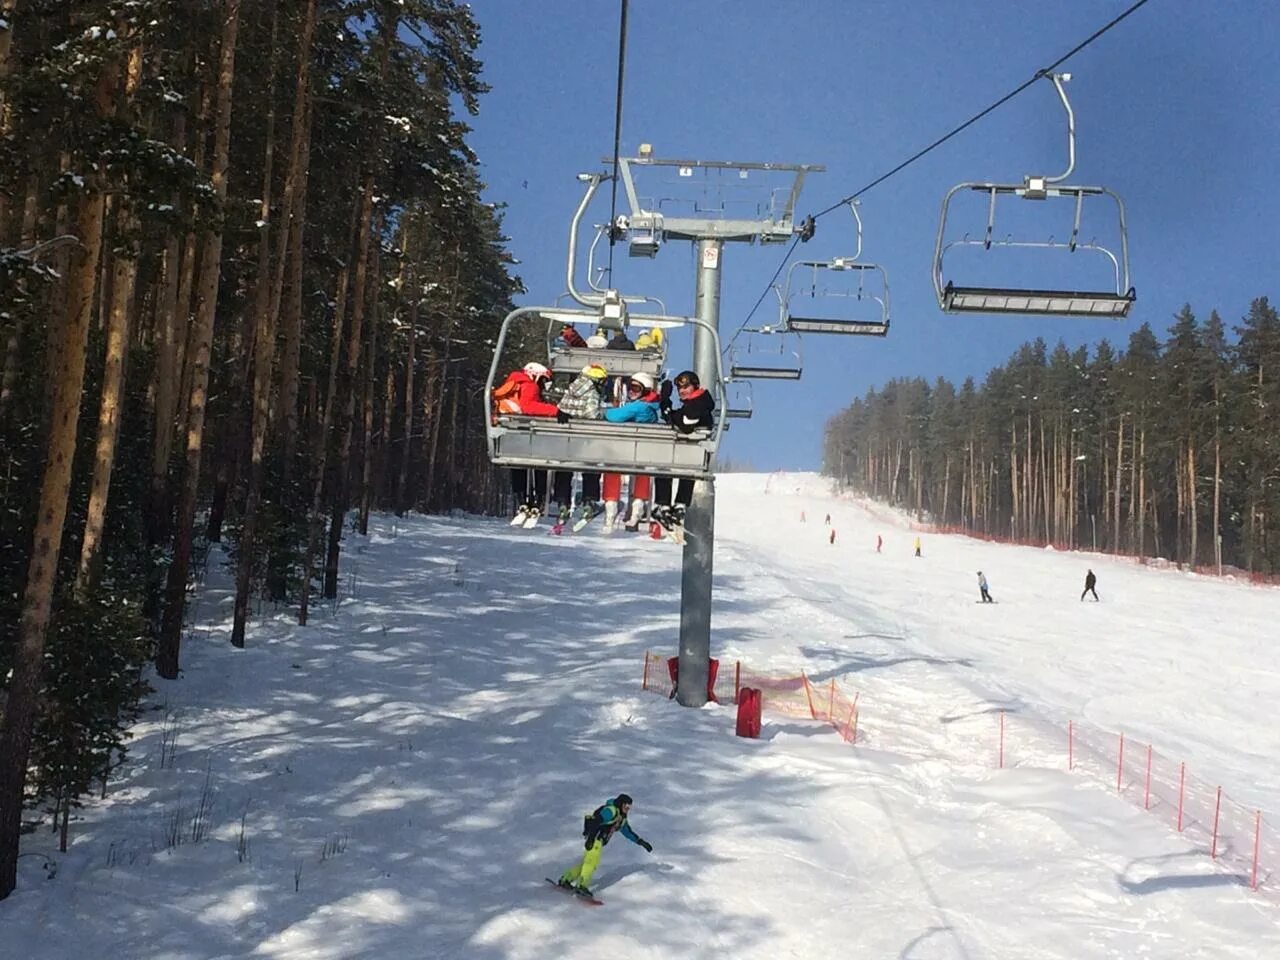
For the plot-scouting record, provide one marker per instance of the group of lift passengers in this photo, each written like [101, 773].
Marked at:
[637, 398]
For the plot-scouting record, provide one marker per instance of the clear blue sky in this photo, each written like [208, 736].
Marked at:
[1178, 111]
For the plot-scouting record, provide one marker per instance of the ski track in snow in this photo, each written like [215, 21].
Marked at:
[418, 758]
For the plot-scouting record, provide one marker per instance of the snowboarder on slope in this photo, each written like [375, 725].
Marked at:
[917, 546]
[982, 586]
[1090, 581]
[601, 824]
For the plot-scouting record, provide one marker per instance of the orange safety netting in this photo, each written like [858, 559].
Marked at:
[794, 696]
[1242, 838]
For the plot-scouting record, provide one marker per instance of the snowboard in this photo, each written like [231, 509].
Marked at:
[521, 516]
[580, 897]
[531, 520]
[588, 514]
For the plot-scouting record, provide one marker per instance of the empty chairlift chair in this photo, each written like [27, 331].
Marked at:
[737, 400]
[1095, 301]
[766, 353]
[838, 296]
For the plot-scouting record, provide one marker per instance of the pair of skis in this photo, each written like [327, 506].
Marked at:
[586, 516]
[528, 517]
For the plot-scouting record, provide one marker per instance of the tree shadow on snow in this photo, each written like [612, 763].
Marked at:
[410, 765]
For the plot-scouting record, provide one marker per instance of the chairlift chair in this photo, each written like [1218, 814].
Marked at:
[838, 296]
[768, 353]
[562, 358]
[737, 399]
[1042, 301]
[598, 445]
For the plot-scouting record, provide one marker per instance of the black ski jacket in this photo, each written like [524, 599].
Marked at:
[696, 412]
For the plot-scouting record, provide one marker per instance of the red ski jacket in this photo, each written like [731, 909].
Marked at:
[528, 397]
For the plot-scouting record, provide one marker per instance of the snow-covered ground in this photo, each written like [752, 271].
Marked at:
[409, 767]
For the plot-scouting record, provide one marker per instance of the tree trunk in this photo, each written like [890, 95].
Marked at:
[1191, 503]
[264, 342]
[406, 448]
[167, 375]
[291, 318]
[28, 656]
[1217, 500]
[1140, 466]
[202, 336]
[1115, 546]
[342, 463]
[321, 446]
[119, 315]
[371, 364]
[384, 438]
[13, 340]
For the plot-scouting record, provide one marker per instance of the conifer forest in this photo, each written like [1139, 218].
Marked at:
[1167, 449]
[246, 284]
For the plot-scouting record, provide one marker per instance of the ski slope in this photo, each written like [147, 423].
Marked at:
[412, 764]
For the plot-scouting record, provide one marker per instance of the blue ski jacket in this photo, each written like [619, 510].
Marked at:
[643, 410]
[604, 822]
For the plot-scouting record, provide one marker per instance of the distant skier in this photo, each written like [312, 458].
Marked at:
[1090, 581]
[917, 546]
[601, 824]
[879, 542]
[832, 538]
[828, 520]
[982, 586]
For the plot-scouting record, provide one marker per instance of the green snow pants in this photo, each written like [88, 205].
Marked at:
[580, 875]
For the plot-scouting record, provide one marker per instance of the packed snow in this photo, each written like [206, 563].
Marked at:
[397, 778]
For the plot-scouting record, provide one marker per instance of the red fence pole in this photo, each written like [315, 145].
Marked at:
[1071, 736]
[1146, 800]
[1001, 739]
[1182, 779]
[737, 679]
[808, 692]
[831, 702]
[1217, 806]
[854, 740]
[644, 684]
[1257, 834]
[1120, 763]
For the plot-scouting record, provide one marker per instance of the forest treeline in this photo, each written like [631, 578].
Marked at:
[248, 285]
[1165, 449]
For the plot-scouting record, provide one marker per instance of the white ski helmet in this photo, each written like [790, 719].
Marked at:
[536, 371]
[645, 380]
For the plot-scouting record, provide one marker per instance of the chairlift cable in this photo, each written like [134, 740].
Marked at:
[1039, 74]
[617, 137]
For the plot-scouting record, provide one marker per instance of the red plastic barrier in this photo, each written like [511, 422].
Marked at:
[749, 702]
[713, 667]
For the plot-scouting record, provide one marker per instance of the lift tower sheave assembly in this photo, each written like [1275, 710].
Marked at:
[708, 203]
